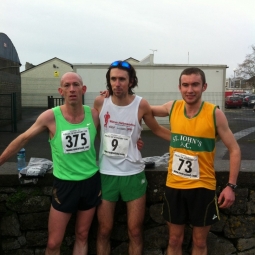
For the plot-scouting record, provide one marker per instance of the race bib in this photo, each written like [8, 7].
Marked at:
[185, 166]
[116, 145]
[75, 140]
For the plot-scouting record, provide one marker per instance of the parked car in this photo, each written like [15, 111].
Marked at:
[245, 100]
[251, 101]
[233, 101]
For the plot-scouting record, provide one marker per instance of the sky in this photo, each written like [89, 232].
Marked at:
[102, 31]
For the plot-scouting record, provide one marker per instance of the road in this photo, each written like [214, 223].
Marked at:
[241, 122]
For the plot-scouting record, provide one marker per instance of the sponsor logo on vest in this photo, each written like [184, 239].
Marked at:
[186, 142]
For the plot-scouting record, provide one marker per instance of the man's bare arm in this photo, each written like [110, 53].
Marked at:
[151, 122]
[227, 196]
[41, 124]
[162, 110]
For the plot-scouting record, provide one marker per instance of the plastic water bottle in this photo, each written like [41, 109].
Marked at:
[21, 159]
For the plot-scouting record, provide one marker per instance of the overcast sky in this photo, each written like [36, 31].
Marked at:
[101, 31]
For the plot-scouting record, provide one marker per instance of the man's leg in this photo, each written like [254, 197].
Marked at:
[82, 226]
[105, 216]
[135, 214]
[176, 234]
[199, 240]
[56, 228]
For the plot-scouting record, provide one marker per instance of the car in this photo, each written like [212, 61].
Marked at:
[245, 100]
[233, 101]
[251, 101]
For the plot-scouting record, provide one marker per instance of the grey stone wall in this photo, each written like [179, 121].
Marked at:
[24, 213]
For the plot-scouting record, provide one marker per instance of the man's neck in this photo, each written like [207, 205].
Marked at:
[122, 101]
[192, 109]
[73, 114]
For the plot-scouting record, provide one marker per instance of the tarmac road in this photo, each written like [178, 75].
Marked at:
[239, 119]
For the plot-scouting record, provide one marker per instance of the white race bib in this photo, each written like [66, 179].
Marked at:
[185, 165]
[76, 140]
[116, 145]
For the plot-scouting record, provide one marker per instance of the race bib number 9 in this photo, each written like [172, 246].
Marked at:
[75, 140]
[185, 166]
[116, 145]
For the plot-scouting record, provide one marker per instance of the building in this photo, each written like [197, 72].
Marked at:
[10, 82]
[157, 83]
[40, 81]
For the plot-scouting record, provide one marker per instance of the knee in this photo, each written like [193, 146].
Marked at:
[135, 232]
[82, 235]
[199, 243]
[52, 245]
[175, 241]
[104, 232]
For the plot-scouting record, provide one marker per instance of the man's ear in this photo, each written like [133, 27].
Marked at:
[84, 89]
[60, 91]
[204, 87]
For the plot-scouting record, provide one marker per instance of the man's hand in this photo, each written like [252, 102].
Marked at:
[140, 144]
[226, 198]
[105, 93]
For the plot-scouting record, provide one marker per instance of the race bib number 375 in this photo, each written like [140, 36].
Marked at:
[75, 140]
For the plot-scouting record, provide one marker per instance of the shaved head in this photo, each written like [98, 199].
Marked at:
[68, 74]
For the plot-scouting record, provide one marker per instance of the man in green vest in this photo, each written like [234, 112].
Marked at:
[72, 129]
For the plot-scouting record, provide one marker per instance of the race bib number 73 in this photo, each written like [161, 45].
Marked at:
[76, 140]
[185, 166]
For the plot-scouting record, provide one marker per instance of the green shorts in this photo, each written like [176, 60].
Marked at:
[125, 187]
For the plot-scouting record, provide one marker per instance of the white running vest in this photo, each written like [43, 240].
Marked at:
[120, 130]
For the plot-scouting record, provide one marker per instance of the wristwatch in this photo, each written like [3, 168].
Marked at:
[232, 186]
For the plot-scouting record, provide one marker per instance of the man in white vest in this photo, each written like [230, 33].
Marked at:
[120, 162]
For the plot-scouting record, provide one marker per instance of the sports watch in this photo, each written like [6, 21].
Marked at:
[232, 186]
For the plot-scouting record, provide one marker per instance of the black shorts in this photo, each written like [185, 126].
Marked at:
[71, 196]
[190, 206]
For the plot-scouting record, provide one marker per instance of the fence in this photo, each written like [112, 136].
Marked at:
[57, 101]
[8, 112]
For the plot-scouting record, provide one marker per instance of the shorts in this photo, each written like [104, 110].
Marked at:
[125, 187]
[71, 196]
[197, 207]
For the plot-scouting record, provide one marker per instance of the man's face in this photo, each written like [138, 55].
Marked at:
[119, 80]
[191, 88]
[72, 88]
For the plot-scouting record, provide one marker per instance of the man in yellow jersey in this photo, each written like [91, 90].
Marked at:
[190, 187]
[120, 161]
[72, 129]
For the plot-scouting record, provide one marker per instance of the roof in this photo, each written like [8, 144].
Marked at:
[252, 79]
[55, 58]
[130, 58]
[7, 49]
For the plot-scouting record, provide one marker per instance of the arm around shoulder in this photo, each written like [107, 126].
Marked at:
[98, 103]
[150, 121]
[162, 110]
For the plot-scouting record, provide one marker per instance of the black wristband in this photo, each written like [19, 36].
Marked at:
[232, 186]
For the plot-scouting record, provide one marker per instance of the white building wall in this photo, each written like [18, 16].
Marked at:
[156, 83]
[42, 81]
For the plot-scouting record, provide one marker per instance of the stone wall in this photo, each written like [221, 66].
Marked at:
[24, 213]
